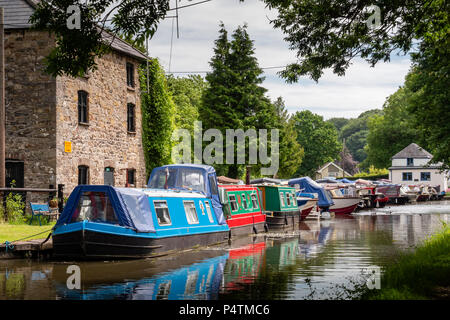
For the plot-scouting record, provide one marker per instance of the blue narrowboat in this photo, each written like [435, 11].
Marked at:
[180, 210]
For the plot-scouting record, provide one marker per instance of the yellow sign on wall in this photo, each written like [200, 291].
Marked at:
[67, 146]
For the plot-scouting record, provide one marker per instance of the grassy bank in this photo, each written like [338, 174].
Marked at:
[422, 274]
[9, 232]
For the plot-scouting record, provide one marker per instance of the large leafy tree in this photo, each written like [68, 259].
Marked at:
[235, 98]
[330, 34]
[291, 152]
[391, 132]
[319, 140]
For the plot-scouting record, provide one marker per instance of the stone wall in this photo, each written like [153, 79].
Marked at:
[30, 98]
[104, 141]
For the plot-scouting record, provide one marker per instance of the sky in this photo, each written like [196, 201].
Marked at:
[361, 89]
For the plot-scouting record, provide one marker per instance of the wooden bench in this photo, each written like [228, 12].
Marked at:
[39, 210]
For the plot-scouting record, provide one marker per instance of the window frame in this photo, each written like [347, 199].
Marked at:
[86, 174]
[409, 162]
[426, 172]
[209, 211]
[185, 202]
[130, 75]
[129, 170]
[244, 201]
[83, 107]
[282, 200]
[407, 173]
[235, 201]
[131, 117]
[254, 200]
[156, 213]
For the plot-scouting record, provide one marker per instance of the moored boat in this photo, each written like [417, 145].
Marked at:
[342, 204]
[280, 206]
[242, 209]
[179, 211]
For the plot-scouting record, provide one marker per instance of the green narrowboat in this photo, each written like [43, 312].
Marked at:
[280, 206]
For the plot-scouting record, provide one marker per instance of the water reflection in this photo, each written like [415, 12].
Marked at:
[307, 263]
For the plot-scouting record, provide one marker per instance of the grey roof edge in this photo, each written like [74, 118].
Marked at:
[413, 150]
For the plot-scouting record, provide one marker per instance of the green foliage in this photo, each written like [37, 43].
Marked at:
[187, 95]
[158, 112]
[291, 152]
[329, 34]
[15, 208]
[391, 132]
[77, 49]
[318, 139]
[235, 98]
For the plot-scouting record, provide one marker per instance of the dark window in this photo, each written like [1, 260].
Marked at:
[83, 172]
[82, 106]
[407, 176]
[425, 176]
[131, 126]
[14, 173]
[409, 161]
[131, 177]
[95, 206]
[130, 74]
[254, 201]
[213, 185]
[233, 203]
[244, 201]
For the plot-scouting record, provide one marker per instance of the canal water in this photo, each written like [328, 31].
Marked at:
[320, 259]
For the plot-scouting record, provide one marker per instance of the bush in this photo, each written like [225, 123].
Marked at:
[15, 208]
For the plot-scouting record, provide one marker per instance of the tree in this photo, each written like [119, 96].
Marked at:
[187, 95]
[329, 34]
[157, 117]
[318, 138]
[79, 45]
[391, 132]
[346, 161]
[291, 152]
[235, 98]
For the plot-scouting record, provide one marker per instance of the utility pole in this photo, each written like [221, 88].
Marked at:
[2, 103]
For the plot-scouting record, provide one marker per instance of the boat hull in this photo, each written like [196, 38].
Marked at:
[281, 220]
[344, 205]
[94, 244]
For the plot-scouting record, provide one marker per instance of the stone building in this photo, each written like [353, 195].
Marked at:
[65, 130]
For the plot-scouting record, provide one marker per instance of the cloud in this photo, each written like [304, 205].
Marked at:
[361, 89]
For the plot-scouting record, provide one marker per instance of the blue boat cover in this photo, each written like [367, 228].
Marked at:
[131, 206]
[307, 185]
[179, 176]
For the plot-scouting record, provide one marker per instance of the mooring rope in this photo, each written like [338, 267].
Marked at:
[9, 244]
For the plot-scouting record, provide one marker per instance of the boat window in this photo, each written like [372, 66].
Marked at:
[208, 211]
[254, 201]
[282, 199]
[164, 179]
[213, 184]
[244, 201]
[191, 179]
[95, 206]
[191, 212]
[288, 199]
[233, 203]
[162, 212]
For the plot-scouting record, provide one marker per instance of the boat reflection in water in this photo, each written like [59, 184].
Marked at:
[193, 275]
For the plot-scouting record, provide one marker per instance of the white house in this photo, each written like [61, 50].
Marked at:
[411, 167]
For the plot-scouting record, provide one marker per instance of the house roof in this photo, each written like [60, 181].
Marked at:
[335, 165]
[413, 151]
[18, 12]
